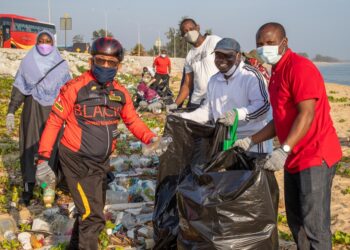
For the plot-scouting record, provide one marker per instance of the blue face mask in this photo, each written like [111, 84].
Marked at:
[103, 74]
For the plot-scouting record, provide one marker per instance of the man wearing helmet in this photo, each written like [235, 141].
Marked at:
[91, 106]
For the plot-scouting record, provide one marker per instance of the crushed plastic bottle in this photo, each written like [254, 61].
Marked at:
[157, 148]
[24, 239]
[49, 193]
[7, 223]
[135, 161]
[135, 145]
[116, 197]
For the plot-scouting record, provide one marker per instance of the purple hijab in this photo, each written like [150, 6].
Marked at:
[34, 66]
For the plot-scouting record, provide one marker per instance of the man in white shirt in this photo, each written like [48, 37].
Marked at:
[237, 87]
[199, 64]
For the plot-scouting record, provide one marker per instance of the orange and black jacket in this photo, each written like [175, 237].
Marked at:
[91, 113]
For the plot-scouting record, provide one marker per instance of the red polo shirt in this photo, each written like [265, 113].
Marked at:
[162, 64]
[294, 79]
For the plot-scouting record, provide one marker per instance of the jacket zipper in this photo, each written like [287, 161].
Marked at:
[107, 129]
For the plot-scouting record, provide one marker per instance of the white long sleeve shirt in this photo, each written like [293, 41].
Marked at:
[245, 91]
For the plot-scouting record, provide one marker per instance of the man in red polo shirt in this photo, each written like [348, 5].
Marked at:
[162, 66]
[310, 146]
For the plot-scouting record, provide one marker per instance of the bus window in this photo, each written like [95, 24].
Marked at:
[6, 32]
[32, 27]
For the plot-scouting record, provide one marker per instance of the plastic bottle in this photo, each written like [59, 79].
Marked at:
[116, 197]
[157, 148]
[7, 223]
[49, 193]
[15, 197]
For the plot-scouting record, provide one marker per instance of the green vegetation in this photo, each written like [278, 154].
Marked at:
[341, 120]
[346, 191]
[334, 99]
[285, 236]
[333, 92]
[10, 245]
[340, 237]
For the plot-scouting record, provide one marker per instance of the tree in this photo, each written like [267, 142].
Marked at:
[138, 50]
[176, 45]
[321, 58]
[304, 54]
[100, 33]
[78, 39]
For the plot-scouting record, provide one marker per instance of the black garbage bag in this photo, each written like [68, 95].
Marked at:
[228, 203]
[192, 144]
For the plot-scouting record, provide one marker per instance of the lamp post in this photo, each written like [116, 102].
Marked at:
[174, 42]
[49, 9]
[138, 40]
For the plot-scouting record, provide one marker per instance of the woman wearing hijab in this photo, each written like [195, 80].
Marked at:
[37, 83]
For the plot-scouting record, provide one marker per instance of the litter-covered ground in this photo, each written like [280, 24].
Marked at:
[129, 203]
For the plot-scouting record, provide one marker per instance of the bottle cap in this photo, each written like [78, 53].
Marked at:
[44, 185]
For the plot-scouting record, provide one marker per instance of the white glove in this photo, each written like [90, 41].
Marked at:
[155, 107]
[276, 160]
[171, 107]
[44, 173]
[228, 118]
[245, 143]
[10, 122]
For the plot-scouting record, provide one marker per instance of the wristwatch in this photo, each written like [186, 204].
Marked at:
[286, 148]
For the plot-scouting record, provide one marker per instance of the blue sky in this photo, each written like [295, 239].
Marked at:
[313, 26]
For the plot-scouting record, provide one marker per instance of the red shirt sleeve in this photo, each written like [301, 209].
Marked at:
[133, 122]
[61, 109]
[306, 82]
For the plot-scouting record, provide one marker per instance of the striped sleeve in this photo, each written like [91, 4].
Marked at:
[259, 104]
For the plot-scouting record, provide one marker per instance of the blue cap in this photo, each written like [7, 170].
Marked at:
[227, 46]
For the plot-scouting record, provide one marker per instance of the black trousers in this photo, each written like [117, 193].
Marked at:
[308, 199]
[87, 183]
[161, 85]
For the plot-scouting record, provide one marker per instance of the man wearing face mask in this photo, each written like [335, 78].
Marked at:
[199, 64]
[310, 148]
[91, 106]
[162, 66]
[236, 88]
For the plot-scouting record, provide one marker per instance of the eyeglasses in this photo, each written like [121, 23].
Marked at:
[101, 62]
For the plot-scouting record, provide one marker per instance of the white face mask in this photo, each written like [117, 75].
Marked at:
[231, 70]
[191, 36]
[163, 55]
[269, 54]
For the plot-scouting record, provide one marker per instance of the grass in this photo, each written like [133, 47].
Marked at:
[342, 120]
[346, 191]
[335, 99]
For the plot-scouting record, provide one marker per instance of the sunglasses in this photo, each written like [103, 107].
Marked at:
[101, 62]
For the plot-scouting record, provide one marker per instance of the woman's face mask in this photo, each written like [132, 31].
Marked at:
[44, 49]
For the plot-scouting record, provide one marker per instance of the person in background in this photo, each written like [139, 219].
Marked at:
[39, 78]
[199, 64]
[162, 66]
[253, 59]
[237, 89]
[91, 107]
[310, 148]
